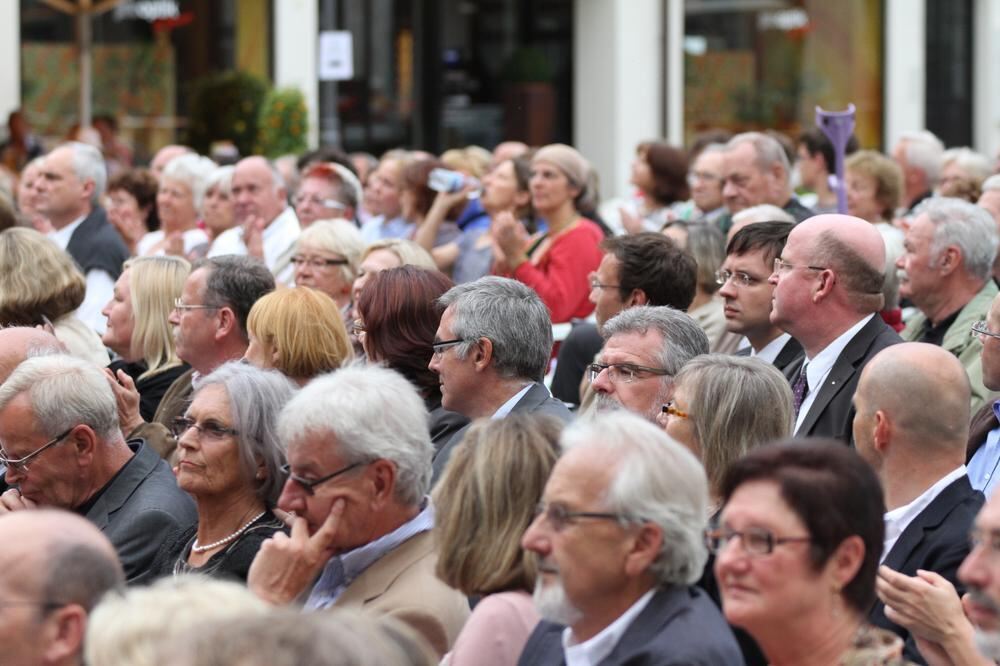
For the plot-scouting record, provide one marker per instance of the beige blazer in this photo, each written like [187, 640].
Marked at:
[402, 584]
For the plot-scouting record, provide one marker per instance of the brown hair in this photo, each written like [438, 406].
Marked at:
[479, 516]
[305, 328]
[401, 315]
[885, 172]
[415, 176]
[141, 184]
[669, 167]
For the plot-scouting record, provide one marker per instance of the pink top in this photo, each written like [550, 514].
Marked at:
[495, 633]
[560, 276]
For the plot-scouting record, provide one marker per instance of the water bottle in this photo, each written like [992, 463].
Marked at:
[445, 180]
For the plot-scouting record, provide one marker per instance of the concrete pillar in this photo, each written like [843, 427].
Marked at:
[296, 35]
[905, 70]
[617, 77]
[985, 92]
[10, 60]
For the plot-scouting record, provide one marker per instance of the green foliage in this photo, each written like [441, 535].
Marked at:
[282, 123]
[225, 106]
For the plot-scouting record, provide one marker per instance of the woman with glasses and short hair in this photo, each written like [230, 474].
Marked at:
[327, 255]
[230, 461]
[797, 547]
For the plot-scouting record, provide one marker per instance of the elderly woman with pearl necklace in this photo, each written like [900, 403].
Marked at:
[230, 461]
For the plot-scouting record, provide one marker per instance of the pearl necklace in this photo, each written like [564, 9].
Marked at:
[223, 541]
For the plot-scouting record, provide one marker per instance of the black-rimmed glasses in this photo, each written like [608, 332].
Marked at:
[440, 345]
[559, 517]
[309, 485]
[755, 540]
[21, 464]
[317, 263]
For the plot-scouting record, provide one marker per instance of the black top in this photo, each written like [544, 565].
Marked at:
[151, 389]
[231, 563]
[933, 334]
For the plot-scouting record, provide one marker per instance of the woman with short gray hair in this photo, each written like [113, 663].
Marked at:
[230, 460]
[178, 204]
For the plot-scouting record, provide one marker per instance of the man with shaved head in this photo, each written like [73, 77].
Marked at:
[267, 226]
[54, 568]
[827, 295]
[17, 343]
[919, 455]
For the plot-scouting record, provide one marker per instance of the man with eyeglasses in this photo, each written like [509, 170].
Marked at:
[827, 295]
[618, 537]
[210, 328]
[984, 429]
[705, 181]
[54, 568]
[947, 272]
[748, 294]
[267, 226]
[359, 465]
[644, 348]
[62, 445]
[491, 351]
[919, 457]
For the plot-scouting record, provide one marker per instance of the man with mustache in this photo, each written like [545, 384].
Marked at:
[618, 537]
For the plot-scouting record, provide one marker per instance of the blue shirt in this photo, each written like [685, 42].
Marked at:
[984, 464]
[341, 570]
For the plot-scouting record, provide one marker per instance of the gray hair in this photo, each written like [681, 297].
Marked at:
[967, 226]
[88, 164]
[64, 392]
[991, 183]
[256, 397]
[683, 338]
[767, 150]
[976, 165]
[657, 481]
[924, 151]
[222, 178]
[762, 213]
[755, 397]
[194, 171]
[511, 316]
[339, 237]
[372, 413]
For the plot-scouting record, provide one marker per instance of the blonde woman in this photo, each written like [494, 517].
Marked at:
[299, 332]
[41, 283]
[138, 331]
[478, 528]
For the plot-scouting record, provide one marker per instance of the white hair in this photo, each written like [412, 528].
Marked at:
[88, 164]
[971, 228]
[371, 412]
[656, 480]
[762, 213]
[924, 151]
[222, 178]
[767, 150]
[339, 237]
[194, 171]
[64, 392]
[975, 165]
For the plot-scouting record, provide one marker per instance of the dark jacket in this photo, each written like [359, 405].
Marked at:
[95, 245]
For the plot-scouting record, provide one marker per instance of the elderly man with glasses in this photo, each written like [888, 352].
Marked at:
[359, 469]
[62, 447]
[491, 351]
[618, 537]
[644, 348]
[827, 295]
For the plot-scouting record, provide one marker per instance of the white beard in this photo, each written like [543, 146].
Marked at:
[552, 604]
[988, 643]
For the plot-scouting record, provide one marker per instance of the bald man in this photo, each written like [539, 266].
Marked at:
[267, 226]
[919, 456]
[54, 568]
[827, 295]
[17, 343]
[164, 156]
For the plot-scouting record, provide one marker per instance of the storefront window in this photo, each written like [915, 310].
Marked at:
[767, 65]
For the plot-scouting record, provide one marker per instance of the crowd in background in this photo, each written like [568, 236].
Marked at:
[410, 409]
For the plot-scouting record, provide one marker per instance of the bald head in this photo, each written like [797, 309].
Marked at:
[925, 393]
[859, 235]
[165, 155]
[17, 343]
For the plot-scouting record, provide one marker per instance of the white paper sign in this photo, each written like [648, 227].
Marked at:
[336, 55]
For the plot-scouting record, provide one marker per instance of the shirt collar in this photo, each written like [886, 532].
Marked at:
[62, 236]
[506, 407]
[820, 366]
[594, 650]
[770, 351]
[897, 520]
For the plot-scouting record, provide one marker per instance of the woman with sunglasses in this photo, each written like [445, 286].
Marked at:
[230, 461]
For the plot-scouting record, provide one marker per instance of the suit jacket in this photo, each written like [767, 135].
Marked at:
[680, 625]
[832, 412]
[936, 540]
[536, 401]
[403, 584]
[141, 510]
[789, 354]
[96, 245]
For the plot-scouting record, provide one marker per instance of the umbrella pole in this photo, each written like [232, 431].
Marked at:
[84, 32]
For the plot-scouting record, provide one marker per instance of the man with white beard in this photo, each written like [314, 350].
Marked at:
[619, 540]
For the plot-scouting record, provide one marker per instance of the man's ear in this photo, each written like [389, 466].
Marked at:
[227, 322]
[637, 297]
[827, 281]
[645, 548]
[482, 354]
[62, 634]
[84, 441]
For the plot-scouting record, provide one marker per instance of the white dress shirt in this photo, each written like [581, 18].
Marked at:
[593, 651]
[897, 520]
[772, 349]
[192, 239]
[505, 408]
[100, 285]
[278, 239]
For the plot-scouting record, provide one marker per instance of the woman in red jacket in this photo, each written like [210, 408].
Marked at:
[555, 263]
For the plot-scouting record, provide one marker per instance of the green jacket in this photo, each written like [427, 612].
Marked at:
[959, 340]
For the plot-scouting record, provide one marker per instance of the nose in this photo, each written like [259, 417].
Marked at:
[534, 538]
[773, 278]
[731, 557]
[901, 262]
[727, 290]
[974, 571]
[602, 383]
[728, 189]
[292, 498]
[434, 364]
[174, 318]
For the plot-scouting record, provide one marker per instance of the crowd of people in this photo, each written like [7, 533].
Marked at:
[458, 409]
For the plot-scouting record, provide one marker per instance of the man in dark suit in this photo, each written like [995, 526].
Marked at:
[827, 295]
[491, 351]
[69, 193]
[63, 448]
[615, 587]
[748, 294]
[919, 455]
